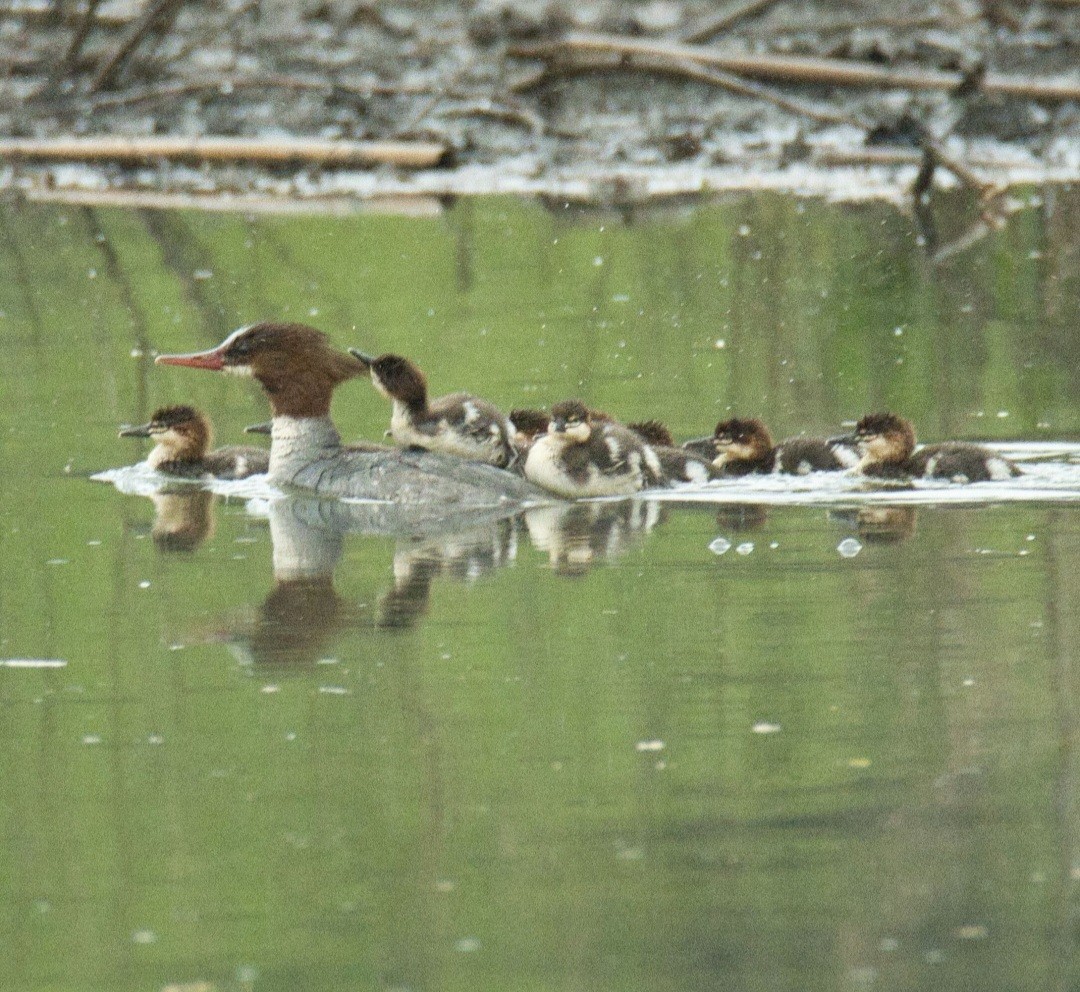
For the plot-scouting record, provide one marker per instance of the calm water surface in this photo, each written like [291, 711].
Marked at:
[575, 750]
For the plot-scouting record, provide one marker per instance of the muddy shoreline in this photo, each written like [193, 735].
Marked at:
[601, 102]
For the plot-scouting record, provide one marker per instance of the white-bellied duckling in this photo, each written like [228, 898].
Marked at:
[458, 424]
[580, 456]
[182, 437]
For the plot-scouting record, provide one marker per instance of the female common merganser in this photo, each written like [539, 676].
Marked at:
[183, 434]
[580, 456]
[886, 443]
[299, 369]
[742, 446]
[458, 424]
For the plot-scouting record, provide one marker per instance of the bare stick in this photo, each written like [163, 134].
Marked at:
[71, 56]
[727, 81]
[410, 155]
[225, 87]
[796, 69]
[135, 35]
[983, 187]
[704, 30]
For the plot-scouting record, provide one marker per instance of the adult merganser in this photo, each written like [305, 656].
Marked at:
[458, 424]
[183, 434]
[299, 368]
[741, 446]
[886, 443]
[580, 456]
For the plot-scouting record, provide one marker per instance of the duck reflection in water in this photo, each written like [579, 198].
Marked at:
[183, 520]
[465, 556]
[741, 516]
[577, 536]
[879, 524]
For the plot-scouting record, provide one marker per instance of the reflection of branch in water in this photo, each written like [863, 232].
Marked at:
[578, 535]
[879, 524]
[182, 521]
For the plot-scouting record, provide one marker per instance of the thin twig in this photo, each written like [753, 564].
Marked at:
[732, 83]
[499, 112]
[706, 29]
[796, 69]
[225, 87]
[199, 39]
[71, 56]
[157, 10]
[961, 170]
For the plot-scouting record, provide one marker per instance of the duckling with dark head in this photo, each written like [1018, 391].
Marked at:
[886, 445]
[182, 437]
[743, 446]
[458, 424]
[580, 456]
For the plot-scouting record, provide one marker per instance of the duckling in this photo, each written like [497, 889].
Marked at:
[679, 465]
[458, 424]
[580, 456]
[744, 446]
[886, 444]
[183, 435]
[528, 425]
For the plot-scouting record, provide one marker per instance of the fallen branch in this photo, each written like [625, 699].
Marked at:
[404, 154]
[797, 69]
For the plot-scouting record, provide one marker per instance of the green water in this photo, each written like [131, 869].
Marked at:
[593, 757]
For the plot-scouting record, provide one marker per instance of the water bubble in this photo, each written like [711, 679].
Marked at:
[764, 727]
[849, 547]
[745, 548]
[91, 738]
[651, 745]
[144, 584]
[466, 945]
[719, 545]
[144, 937]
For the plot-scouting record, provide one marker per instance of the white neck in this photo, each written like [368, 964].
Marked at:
[299, 441]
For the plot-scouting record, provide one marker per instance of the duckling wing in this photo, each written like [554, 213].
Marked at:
[802, 455]
[962, 463]
[238, 461]
[474, 418]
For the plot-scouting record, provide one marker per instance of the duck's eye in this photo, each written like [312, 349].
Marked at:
[241, 348]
